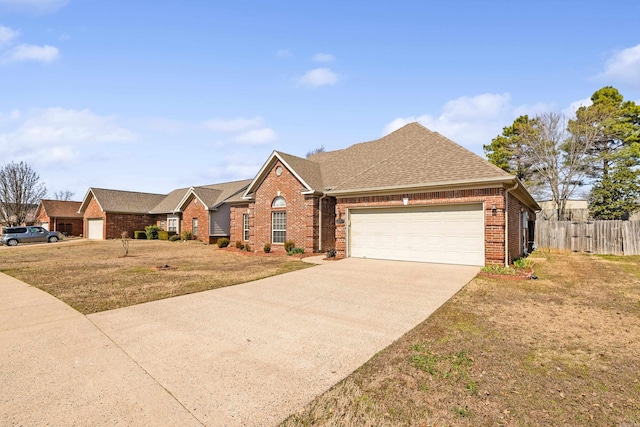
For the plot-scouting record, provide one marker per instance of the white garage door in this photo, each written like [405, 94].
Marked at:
[94, 228]
[440, 234]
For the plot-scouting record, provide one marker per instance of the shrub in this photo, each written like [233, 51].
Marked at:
[247, 248]
[331, 253]
[223, 243]
[139, 235]
[152, 231]
[295, 251]
[267, 248]
[288, 245]
[187, 235]
[522, 263]
[163, 235]
[174, 238]
[239, 245]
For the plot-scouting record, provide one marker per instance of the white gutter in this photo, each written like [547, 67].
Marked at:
[506, 222]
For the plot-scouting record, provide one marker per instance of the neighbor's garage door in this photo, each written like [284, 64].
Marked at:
[440, 234]
[94, 228]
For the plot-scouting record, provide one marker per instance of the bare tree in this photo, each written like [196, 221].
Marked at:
[64, 195]
[20, 192]
[320, 149]
[559, 158]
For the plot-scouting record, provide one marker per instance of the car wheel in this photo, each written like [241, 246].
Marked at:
[12, 242]
[53, 239]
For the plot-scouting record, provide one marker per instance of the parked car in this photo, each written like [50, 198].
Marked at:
[11, 236]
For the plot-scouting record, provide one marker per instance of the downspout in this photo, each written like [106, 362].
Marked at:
[324, 196]
[506, 222]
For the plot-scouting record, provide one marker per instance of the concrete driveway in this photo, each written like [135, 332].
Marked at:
[243, 355]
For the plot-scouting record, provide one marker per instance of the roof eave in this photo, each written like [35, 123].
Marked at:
[465, 183]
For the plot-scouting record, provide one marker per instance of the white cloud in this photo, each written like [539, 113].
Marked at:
[472, 121]
[27, 52]
[624, 66]
[238, 124]
[284, 53]
[257, 137]
[33, 6]
[318, 77]
[323, 57]
[7, 35]
[570, 111]
[57, 134]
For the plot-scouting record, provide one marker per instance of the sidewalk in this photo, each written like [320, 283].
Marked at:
[58, 368]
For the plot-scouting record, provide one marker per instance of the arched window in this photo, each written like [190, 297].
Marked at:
[279, 202]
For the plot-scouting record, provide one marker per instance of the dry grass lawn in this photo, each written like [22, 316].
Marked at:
[94, 276]
[563, 350]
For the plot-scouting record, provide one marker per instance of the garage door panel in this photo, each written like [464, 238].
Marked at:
[442, 234]
[95, 229]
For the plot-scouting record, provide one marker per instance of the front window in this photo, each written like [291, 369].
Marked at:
[245, 227]
[278, 227]
[173, 224]
[194, 229]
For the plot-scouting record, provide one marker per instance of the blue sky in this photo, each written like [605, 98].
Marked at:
[155, 95]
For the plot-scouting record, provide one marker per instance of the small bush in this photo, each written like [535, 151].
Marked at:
[223, 243]
[239, 245]
[174, 238]
[247, 248]
[152, 231]
[295, 251]
[187, 235]
[267, 248]
[288, 245]
[498, 269]
[163, 235]
[522, 263]
[139, 235]
[331, 253]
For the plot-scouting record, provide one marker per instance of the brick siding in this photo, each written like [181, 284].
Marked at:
[195, 209]
[116, 223]
[70, 226]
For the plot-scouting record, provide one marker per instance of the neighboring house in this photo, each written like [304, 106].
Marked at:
[30, 219]
[108, 213]
[412, 195]
[575, 210]
[203, 211]
[60, 215]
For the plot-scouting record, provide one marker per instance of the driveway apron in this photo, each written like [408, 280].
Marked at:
[255, 353]
[243, 355]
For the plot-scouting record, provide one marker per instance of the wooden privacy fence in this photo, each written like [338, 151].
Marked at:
[596, 237]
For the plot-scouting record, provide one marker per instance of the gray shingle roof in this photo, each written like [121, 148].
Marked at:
[170, 203]
[215, 194]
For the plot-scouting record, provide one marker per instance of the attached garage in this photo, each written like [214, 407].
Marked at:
[448, 234]
[95, 229]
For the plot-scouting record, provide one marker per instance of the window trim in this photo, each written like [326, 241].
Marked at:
[283, 223]
[280, 201]
[245, 227]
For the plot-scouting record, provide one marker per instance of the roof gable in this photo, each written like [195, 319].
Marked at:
[212, 196]
[299, 167]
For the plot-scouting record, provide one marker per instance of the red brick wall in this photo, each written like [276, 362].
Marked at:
[517, 236]
[300, 212]
[116, 223]
[93, 211]
[195, 209]
[494, 220]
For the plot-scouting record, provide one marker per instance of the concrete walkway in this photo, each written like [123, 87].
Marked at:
[244, 355]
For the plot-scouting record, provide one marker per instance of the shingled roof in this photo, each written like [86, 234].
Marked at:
[170, 203]
[60, 208]
[123, 201]
[411, 157]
